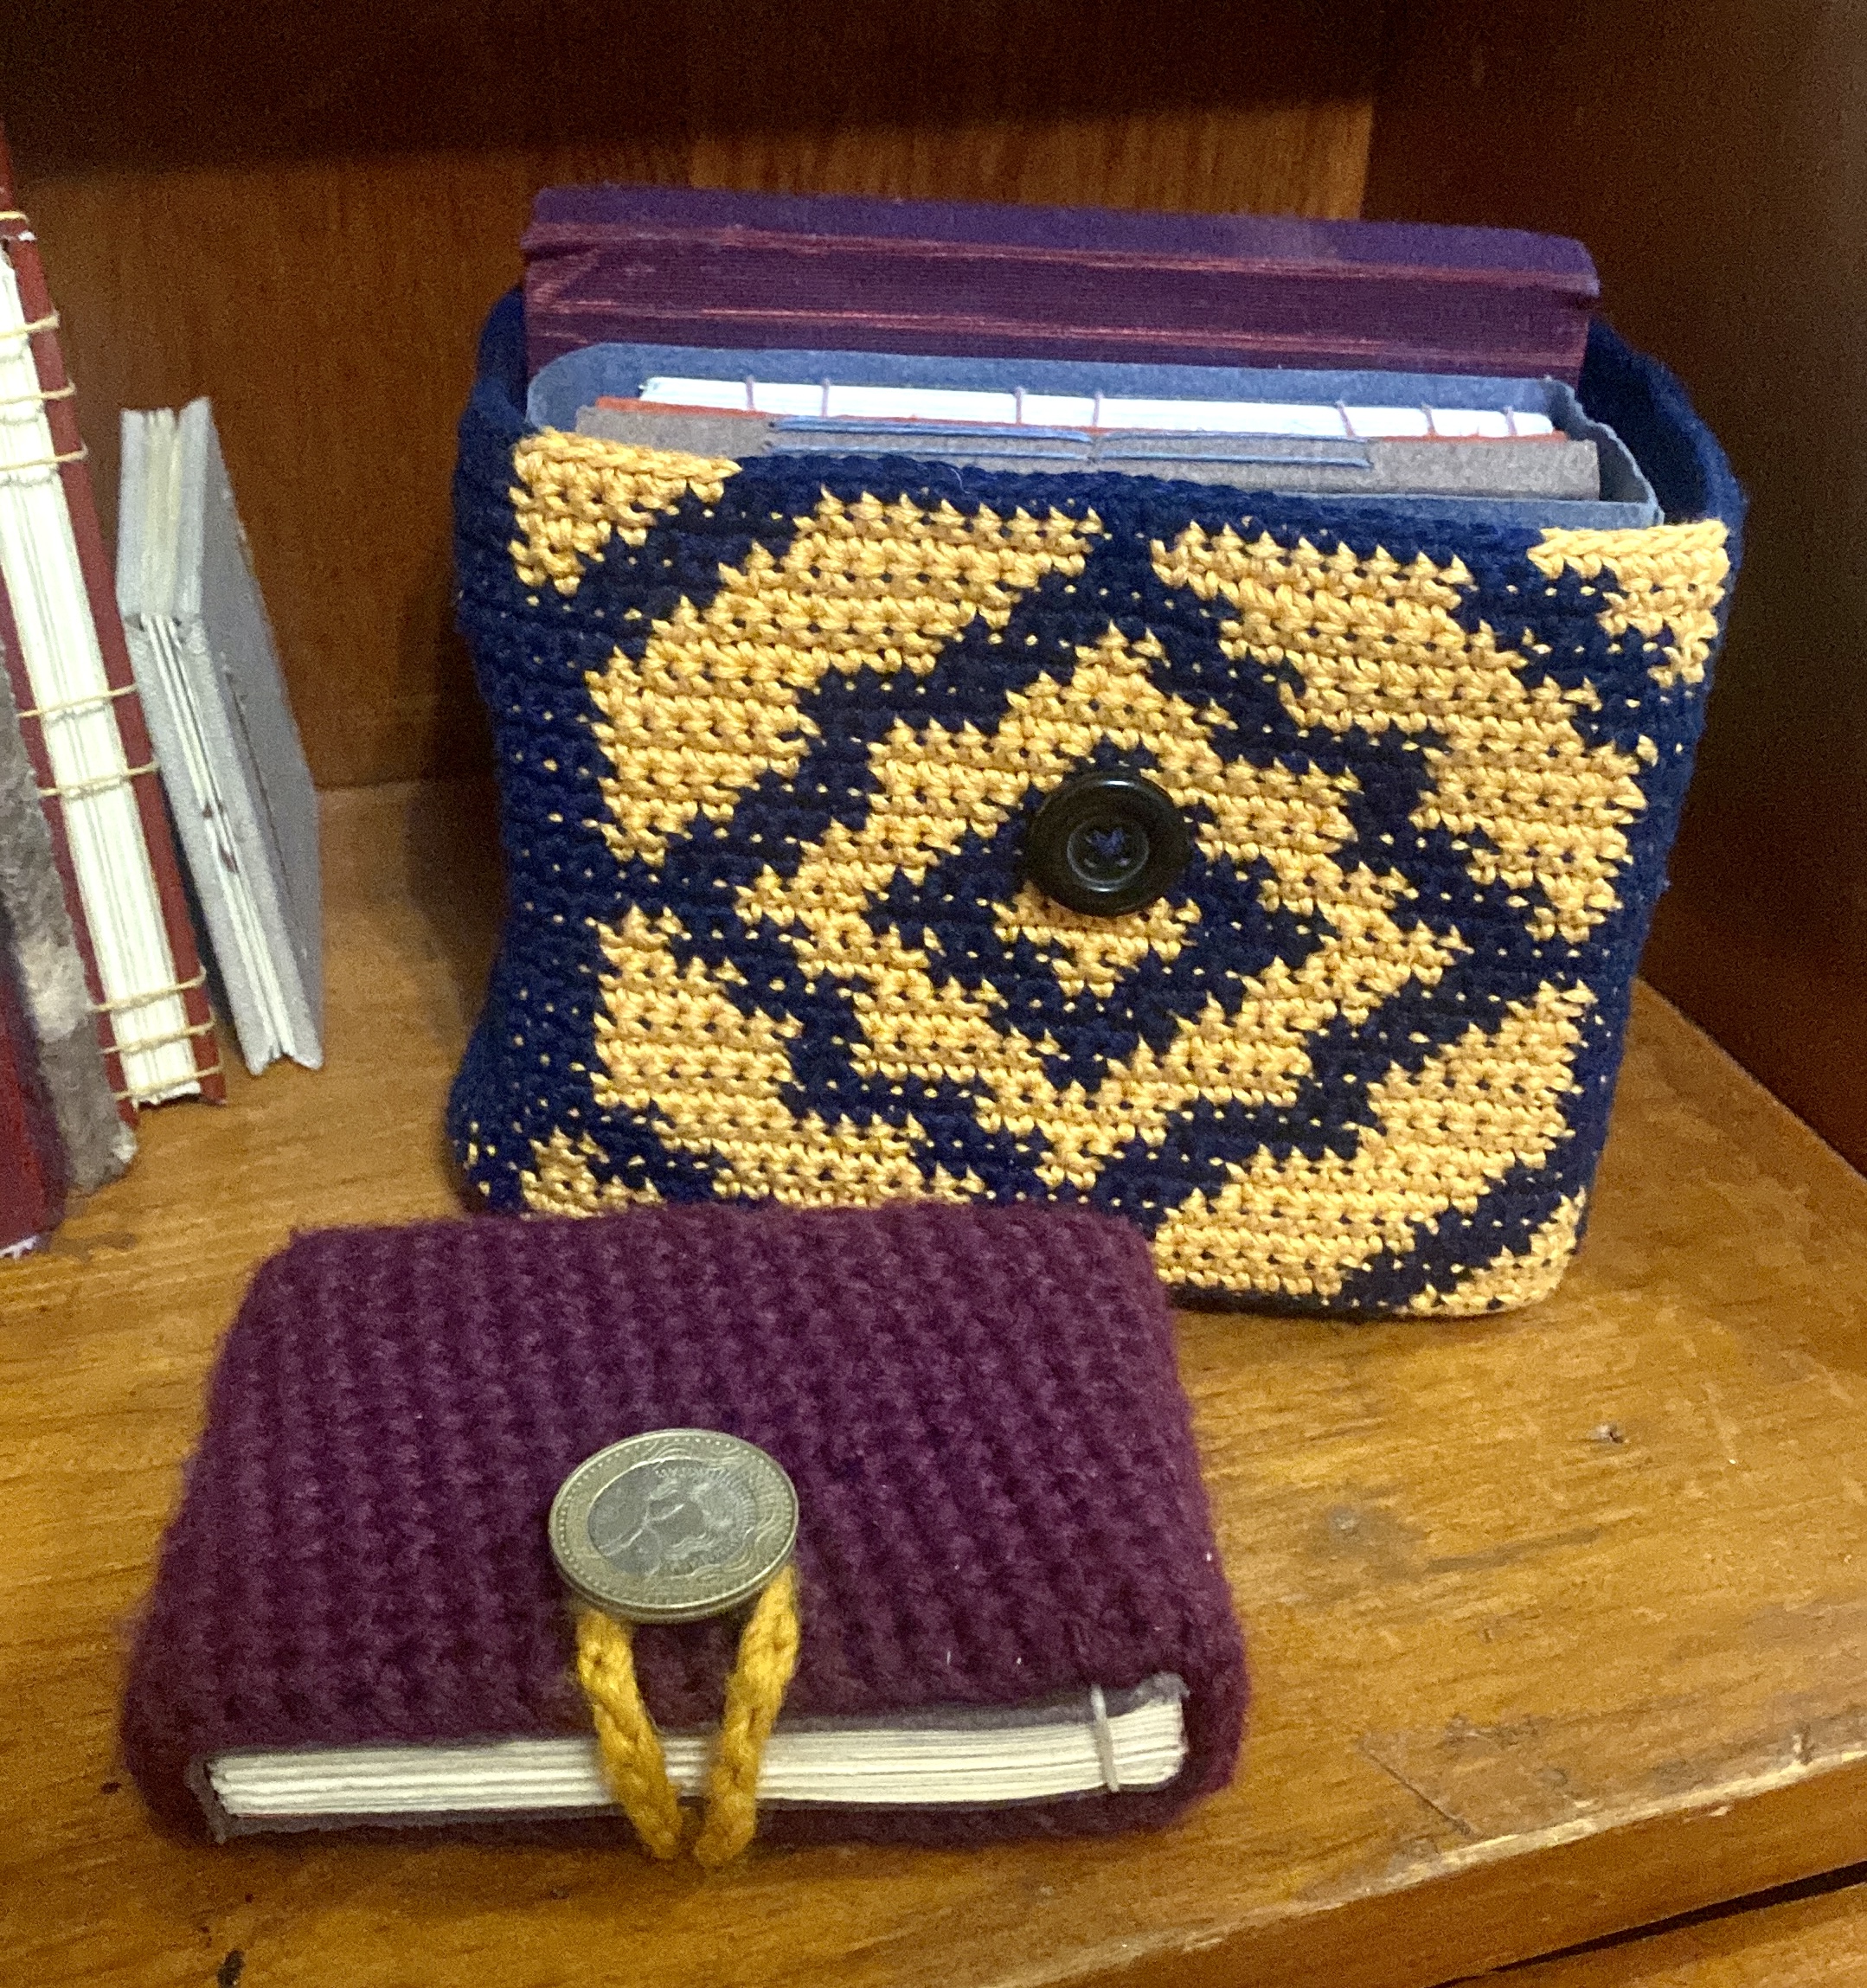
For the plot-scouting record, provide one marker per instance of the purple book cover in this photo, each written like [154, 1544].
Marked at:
[683, 265]
[999, 1498]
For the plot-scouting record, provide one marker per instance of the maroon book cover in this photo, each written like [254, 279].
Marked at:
[20, 245]
[32, 1164]
[689, 267]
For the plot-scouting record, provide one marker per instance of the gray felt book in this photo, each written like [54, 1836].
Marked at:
[232, 763]
[34, 919]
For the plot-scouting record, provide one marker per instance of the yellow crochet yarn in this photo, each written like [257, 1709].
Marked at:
[633, 1765]
[1358, 1060]
[625, 1736]
[767, 1657]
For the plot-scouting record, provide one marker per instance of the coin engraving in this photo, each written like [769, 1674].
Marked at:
[673, 1525]
[672, 1519]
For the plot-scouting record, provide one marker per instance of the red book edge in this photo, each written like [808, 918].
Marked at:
[22, 248]
[32, 1157]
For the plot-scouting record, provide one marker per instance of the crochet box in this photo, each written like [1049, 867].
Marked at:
[773, 737]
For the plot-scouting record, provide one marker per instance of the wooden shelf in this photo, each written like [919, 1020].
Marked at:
[1520, 1683]
[315, 225]
[1558, 1620]
[1818, 1942]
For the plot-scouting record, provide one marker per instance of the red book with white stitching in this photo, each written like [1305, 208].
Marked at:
[79, 714]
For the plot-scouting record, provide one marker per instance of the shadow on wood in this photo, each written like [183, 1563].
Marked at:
[1712, 158]
[165, 85]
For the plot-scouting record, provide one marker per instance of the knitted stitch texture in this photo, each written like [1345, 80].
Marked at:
[772, 737]
[999, 1496]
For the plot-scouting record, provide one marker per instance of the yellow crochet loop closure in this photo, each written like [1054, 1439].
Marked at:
[767, 1657]
[634, 1766]
[673, 1526]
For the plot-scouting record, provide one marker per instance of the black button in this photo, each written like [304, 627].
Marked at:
[1106, 842]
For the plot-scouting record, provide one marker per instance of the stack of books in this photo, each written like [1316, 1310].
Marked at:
[105, 1003]
[1430, 367]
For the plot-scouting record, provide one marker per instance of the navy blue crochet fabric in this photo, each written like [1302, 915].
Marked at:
[772, 737]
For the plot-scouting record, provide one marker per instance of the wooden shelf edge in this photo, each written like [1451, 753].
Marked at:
[1513, 1898]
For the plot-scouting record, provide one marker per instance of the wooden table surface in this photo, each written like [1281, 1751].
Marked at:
[1558, 1620]
[1815, 1940]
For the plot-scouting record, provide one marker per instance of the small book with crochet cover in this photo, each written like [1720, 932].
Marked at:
[1012, 1616]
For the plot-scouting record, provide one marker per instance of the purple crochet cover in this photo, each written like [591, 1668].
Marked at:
[999, 1495]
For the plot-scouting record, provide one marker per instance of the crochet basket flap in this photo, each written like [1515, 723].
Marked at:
[774, 738]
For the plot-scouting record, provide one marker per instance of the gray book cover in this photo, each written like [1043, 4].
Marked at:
[34, 921]
[1543, 467]
[208, 668]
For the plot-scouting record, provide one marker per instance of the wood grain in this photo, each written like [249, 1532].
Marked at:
[1815, 1942]
[313, 227]
[1558, 1620]
[1711, 156]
